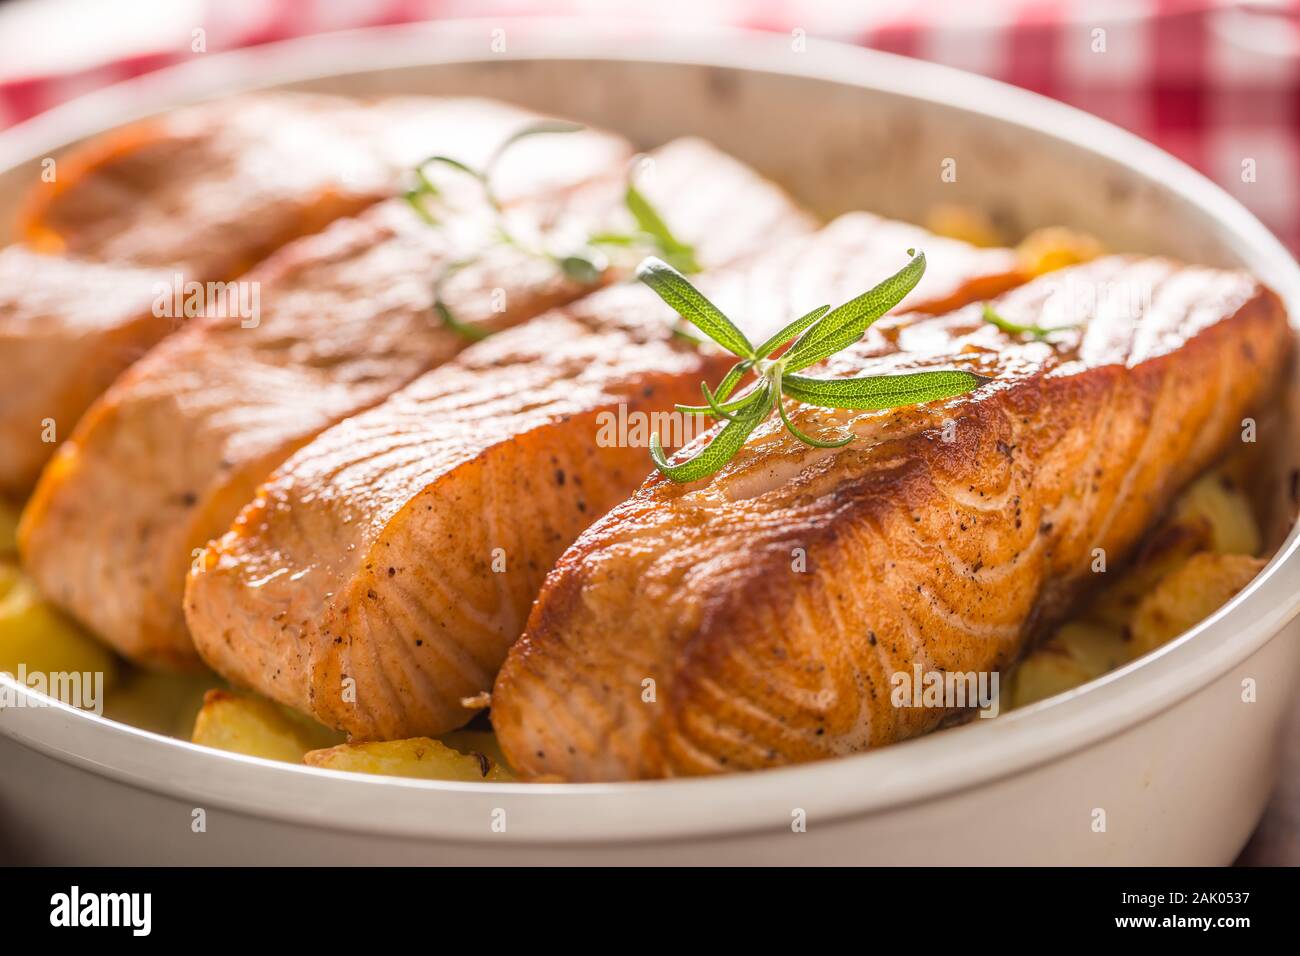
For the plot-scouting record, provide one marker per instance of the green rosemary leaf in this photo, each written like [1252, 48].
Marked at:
[732, 379]
[745, 398]
[648, 220]
[1012, 328]
[415, 198]
[680, 331]
[790, 331]
[443, 311]
[543, 127]
[777, 389]
[446, 161]
[674, 288]
[849, 322]
[874, 392]
[618, 239]
[423, 189]
[471, 332]
[808, 439]
[587, 269]
[718, 411]
[720, 450]
[540, 128]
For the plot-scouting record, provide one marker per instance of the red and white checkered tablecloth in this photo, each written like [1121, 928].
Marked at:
[1215, 83]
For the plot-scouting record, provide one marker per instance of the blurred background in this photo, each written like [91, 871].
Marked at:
[1215, 83]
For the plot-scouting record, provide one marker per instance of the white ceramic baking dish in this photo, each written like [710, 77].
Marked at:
[1166, 747]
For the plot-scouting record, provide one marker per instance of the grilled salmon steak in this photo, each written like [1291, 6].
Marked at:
[182, 440]
[383, 571]
[67, 328]
[758, 617]
[200, 195]
[213, 189]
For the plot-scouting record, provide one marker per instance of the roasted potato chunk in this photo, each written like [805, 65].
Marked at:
[8, 531]
[38, 639]
[1077, 653]
[34, 637]
[1098, 650]
[166, 703]
[1046, 250]
[1168, 547]
[1194, 562]
[252, 725]
[248, 724]
[415, 757]
[1212, 514]
[476, 742]
[1189, 595]
[1048, 671]
[967, 223]
[1217, 501]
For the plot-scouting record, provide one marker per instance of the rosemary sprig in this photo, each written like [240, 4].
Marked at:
[472, 332]
[424, 187]
[586, 263]
[653, 232]
[1038, 332]
[814, 336]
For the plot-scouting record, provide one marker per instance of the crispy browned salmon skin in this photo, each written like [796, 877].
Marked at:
[182, 440]
[759, 617]
[199, 195]
[383, 571]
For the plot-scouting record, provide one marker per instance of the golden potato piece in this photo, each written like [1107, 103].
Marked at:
[1189, 595]
[1187, 568]
[10, 575]
[415, 757]
[1215, 499]
[1168, 547]
[164, 702]
[257, 727]
[1048, 671]
[8, 531]
[967, 223]
[1045, 250]
[1077, 653]
[1097, 649]
[1211, 514]
[476, 741]
[37, 639]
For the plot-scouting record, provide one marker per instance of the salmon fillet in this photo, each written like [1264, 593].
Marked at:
[211, 190]
[181, 441]
[67, 328]
[201, 194]
[383, 571]
[916, 550]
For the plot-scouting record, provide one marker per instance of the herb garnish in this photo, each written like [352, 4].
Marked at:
[587, 263]
[817, 335]
[1038, 332]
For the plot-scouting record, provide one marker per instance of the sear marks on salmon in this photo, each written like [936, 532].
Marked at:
[402, 548]
[200, 195]
[67, 328]
[182, 440]
[919, 551]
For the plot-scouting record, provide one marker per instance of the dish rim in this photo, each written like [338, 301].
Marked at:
[904, 774]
